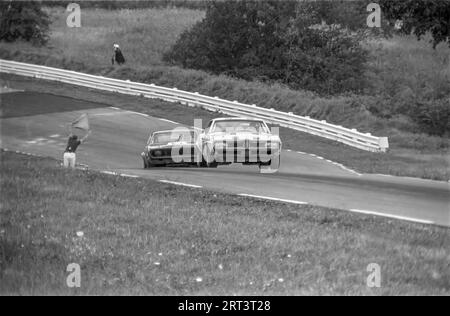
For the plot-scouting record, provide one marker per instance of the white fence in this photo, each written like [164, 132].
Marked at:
[340, 134]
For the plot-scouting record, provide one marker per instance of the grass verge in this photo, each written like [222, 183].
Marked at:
[144, 237]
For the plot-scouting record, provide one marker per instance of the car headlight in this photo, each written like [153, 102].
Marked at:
[270, 144]
[220, 145]
[273, 145]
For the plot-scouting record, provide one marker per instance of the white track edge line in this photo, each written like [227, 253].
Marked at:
[169, 121]
[181, 184]
[273, 199]
[404, 218]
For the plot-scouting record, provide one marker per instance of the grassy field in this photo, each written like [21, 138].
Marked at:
[401, 70]
[143, 34]
[403, 67]
[144, 237]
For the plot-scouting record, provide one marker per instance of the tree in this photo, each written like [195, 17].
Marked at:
[322, 57]
[234, 38]
[420, 17]
[23, 20]
[273, 41]
[433, 116]
[417, 16]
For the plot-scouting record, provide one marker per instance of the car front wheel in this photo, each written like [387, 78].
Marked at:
[275, 163]
[147, 164]
[208, 158]
[272, 166]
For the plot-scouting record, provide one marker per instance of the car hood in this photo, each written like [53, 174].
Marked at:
[244, 136]
[169, 145]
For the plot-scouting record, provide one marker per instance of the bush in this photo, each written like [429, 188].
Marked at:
[23, 20]
[272, 41]
[433, 116]
[323, 58]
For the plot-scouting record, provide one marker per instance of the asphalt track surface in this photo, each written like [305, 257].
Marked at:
[37, 123]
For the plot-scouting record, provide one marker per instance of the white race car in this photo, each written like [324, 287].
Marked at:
[239, 140]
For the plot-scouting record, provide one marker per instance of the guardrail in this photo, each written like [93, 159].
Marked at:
[351, 137]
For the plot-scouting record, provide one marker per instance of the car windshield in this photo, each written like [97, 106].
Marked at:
[173, 136]
[239, 126]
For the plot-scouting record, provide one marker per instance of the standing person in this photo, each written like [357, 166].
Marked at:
[72, 144]
[118, 56]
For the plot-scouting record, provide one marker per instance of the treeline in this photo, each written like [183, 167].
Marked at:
[133, 4]
[23, 20]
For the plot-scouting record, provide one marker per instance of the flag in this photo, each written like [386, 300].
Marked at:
[82, 122]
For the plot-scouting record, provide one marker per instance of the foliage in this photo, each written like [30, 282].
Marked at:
[321, 57]
[132, 4]
[433, 116]
[272, 41]
[23, 20]
[420, 17]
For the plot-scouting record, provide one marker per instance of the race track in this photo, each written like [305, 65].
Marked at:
[118, 138]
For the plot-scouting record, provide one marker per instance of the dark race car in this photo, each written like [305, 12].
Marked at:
[174, 147]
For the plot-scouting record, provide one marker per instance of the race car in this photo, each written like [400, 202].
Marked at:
[172, 147]
[239, 140]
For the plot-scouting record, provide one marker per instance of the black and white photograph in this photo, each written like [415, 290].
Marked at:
[225, 156]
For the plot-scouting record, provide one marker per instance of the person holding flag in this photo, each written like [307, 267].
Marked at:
[69, 157]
